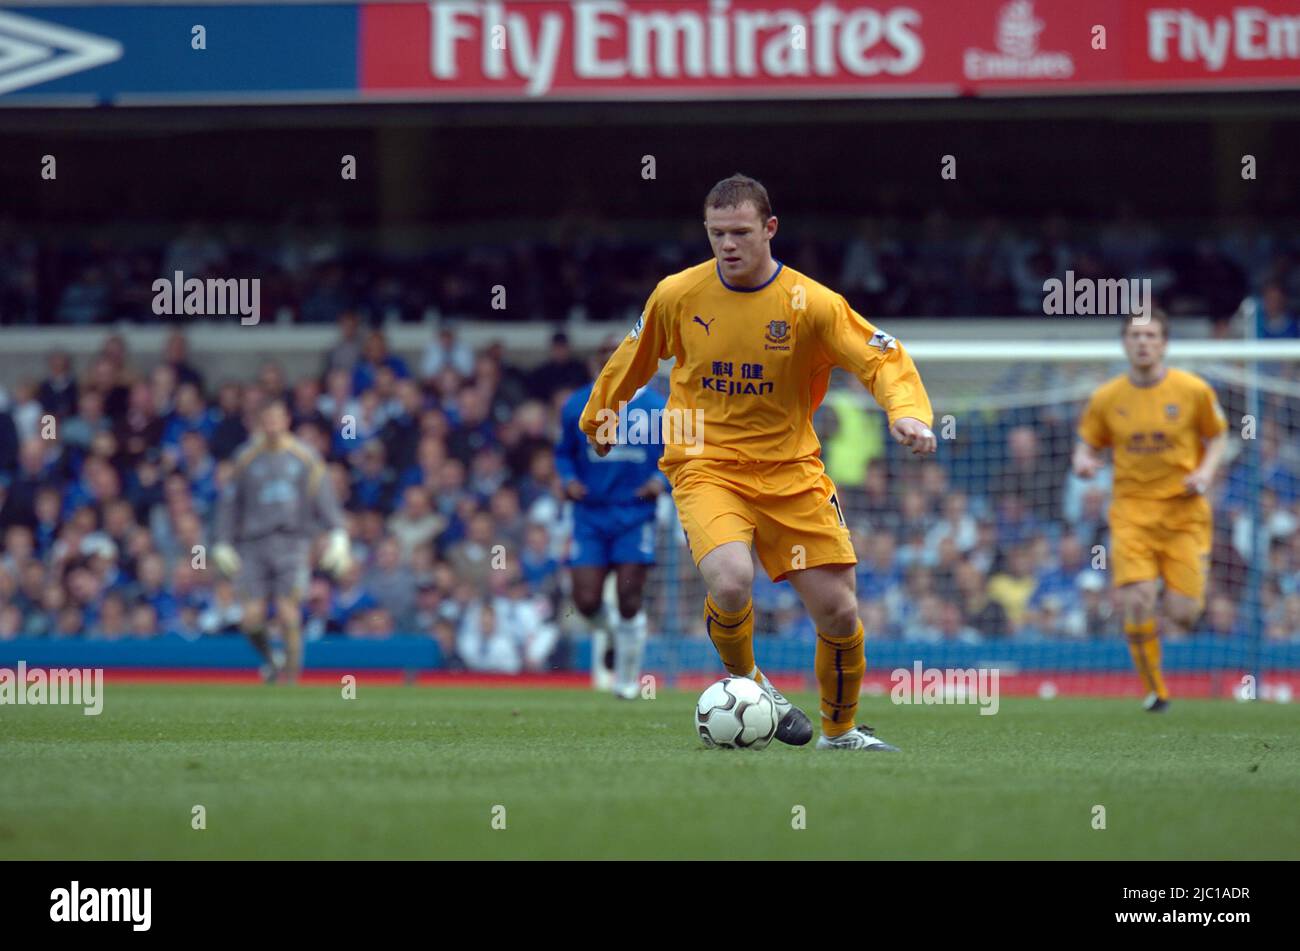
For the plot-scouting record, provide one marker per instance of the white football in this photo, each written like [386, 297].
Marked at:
[736, 713]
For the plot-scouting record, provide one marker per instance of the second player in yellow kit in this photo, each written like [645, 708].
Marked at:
[753, 344]
[1165, 430]
[1159, 528]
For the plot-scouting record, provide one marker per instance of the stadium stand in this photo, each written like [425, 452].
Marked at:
[452, 452]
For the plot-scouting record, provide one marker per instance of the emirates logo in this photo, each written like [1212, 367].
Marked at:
[1018, 29]
[1017, 56]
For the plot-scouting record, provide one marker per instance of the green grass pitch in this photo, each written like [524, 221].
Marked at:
[415, 772]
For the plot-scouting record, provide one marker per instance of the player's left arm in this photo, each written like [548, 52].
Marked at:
[337, 557]
[653, 487]
[885, 369]
[1212, 425]
[1202, 477]
[656, 483]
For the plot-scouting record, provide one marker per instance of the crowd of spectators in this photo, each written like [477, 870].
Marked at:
[312, 271]
[1025, 557]
[110, 472]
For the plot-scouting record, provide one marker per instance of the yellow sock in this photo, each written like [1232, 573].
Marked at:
[840, 663]
[1151, 648]
[1144, 647]
[732, 633]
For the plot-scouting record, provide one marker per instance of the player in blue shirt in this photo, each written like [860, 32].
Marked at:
[613, 527]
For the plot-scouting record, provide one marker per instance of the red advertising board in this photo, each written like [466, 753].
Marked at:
[725, 49]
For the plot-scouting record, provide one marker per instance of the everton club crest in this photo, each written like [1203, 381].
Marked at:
[778, 331]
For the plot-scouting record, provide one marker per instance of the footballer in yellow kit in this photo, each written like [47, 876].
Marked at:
[754, 343]
[1166, 431]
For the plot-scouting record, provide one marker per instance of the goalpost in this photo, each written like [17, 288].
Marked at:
[991, 554]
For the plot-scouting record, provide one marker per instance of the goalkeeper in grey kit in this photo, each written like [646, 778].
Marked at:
[278, 497]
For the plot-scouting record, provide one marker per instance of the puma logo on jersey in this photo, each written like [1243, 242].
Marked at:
[699, 321]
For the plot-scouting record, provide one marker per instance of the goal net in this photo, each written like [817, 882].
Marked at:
[993, 555]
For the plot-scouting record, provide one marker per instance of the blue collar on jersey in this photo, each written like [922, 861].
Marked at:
[748, 290]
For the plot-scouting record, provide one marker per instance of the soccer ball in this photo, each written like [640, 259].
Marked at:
[736, 713]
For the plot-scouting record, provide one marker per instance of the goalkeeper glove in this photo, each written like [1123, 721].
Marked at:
[337, 557]
[226, 559]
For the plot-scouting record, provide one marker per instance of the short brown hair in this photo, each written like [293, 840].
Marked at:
[1157, 315]
[734, 191]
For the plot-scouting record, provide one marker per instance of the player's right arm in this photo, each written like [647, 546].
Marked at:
[229, 507]
[567, 450]
[629, 368]
[1094, 437]
[1087, 462]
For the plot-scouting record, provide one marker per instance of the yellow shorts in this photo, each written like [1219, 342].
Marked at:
[1167, 539]
[788, 512]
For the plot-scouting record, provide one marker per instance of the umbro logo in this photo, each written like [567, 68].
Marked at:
[34, 52]
[698, 320]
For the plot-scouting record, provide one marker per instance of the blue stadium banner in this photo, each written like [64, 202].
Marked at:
[143, 55]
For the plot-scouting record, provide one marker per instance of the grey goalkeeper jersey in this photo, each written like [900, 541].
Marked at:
[284, 492]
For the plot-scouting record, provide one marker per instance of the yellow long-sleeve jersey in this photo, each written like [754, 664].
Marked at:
[1156, 432]
[752, 365]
